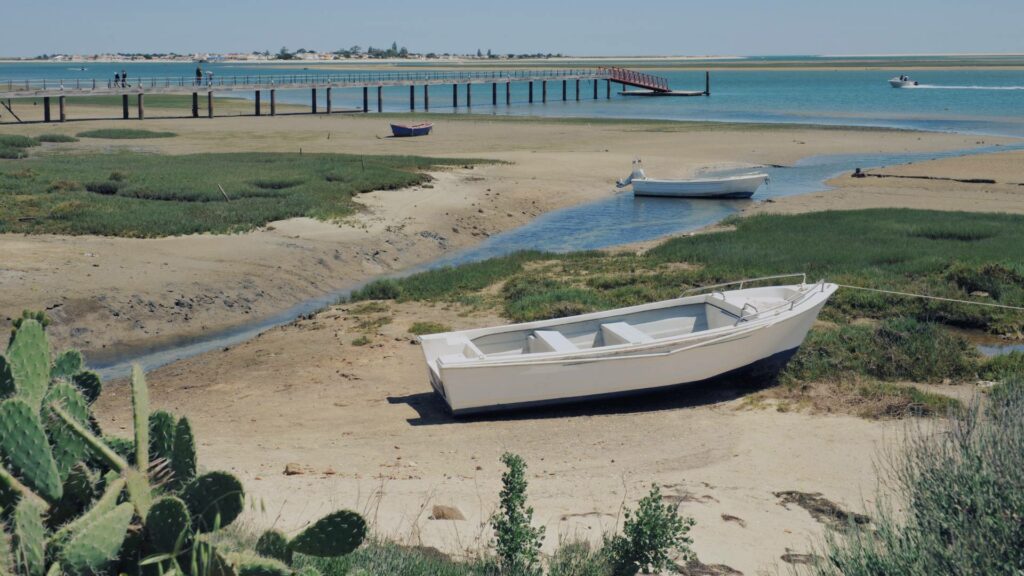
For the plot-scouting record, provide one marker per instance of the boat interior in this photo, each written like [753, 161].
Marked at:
[708, 312]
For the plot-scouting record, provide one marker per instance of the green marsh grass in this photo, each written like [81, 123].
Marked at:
[124, 134]
[145, 195]
[13, 146]
[56, 138]
[420, 328]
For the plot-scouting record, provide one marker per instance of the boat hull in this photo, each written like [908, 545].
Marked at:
[403, 131]
[737, 187]
[897, 83]
[474, 388]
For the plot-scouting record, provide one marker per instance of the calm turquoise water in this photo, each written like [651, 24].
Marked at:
[961, 100]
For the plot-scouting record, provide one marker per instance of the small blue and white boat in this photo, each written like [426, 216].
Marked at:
[421, 129]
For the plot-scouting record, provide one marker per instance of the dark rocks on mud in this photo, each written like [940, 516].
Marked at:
[821, 509]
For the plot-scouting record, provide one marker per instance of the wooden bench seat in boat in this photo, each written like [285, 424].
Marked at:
[549, 341]
[621, 333]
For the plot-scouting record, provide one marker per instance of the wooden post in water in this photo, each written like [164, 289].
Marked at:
[595, 88]
[469, 95]
[577, 89]
[380, 99]
[141, 106]
[124, 106]
[494, 93]
[195, 105]
[366, 99]
[455, 95]
[608, 89]
[565, 89]
[412, 97]
[426, 97]
[707, 83]
[258, 110]
[273, 102]
[313, 102]
[544, 91]
[46, 108]
[531, 91]
[209, 104]
[329, 100]
[60, 104]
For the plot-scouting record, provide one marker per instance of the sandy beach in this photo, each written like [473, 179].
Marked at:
[109, 296]
[357, 426]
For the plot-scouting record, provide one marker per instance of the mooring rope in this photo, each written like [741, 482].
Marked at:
[927, 297]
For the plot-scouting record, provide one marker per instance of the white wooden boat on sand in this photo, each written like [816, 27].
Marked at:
[625, 351]
[741, 186]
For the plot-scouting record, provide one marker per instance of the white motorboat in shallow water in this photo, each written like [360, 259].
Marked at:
[625, 351]
[741, 186]
[902, 81]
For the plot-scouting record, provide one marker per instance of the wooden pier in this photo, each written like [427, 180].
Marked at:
[268, 85]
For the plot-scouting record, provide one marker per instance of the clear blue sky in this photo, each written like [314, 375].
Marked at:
[595, 27]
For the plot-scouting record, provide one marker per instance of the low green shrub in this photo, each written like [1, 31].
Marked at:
[56, 138]
[515, 540]
[362, 340]
[649, 537]
[17, 141]
[420, 328]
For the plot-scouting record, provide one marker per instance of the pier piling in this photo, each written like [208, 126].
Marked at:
[46, 108]
[366, 99]
[455, 95]
[565, 90]
[426, 97]
[531, 91]
[60, 105]
[595, 89]
[577, 89]
[469, 95]
[544, 91]
[494, 93]
[124, 106]
[380, 99]
[328, 99]
[141, 105]
[707, 83]
[508, 93]
[608, 89]
[209, 104]
[313, 103]
[258, 110]
[273, 102]
[412, 97]
[195, 104]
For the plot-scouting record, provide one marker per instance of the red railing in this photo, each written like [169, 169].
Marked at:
[634, 78]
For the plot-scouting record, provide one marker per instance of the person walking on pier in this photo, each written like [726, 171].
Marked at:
[117, 79]
[124, 79]
[209, 78]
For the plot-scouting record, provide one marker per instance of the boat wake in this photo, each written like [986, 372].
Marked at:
[940, 87]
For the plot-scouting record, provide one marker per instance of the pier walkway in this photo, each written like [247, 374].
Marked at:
[326, 82]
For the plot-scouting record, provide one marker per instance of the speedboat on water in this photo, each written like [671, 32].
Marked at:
[624, 351]
[902, 81]
[741, 186]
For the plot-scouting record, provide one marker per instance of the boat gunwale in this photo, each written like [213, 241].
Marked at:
[709, 180]
[614, 352]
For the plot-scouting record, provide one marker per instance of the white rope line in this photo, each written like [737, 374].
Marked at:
[927, 297]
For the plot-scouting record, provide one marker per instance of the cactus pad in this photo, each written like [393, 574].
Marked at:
[89, 384]
[212, 496]
[273, 544]
[167, 524]
[140, 417]
[24, 446]
[92, 548]
[29, 538]
[67, 364]
[161, 435]
[6, 379]
[183, 456]
[79, 491]
[29, 355]
[68, 447]
[336, 534]
[262, 567]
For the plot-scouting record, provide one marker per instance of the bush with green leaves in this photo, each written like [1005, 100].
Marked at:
[517, 542]
[957, 505]
[77, 503]
[650, 536]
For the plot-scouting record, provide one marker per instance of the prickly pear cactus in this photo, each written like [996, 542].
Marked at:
[79, 491]
[68, 448]
[214, 499]
[273, 544]
[140, 417]
[256, 566]
[88, 383]
[94, 547]
[24, 446]
[336, 534]
[161, 435]
[183, 455]
[29, 355]
[67, 364]
[167, 525]
[29, 538]
[6, 379]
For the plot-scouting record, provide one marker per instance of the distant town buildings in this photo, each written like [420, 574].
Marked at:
[354, 53]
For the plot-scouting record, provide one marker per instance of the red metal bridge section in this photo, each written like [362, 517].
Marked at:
[634, 78]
